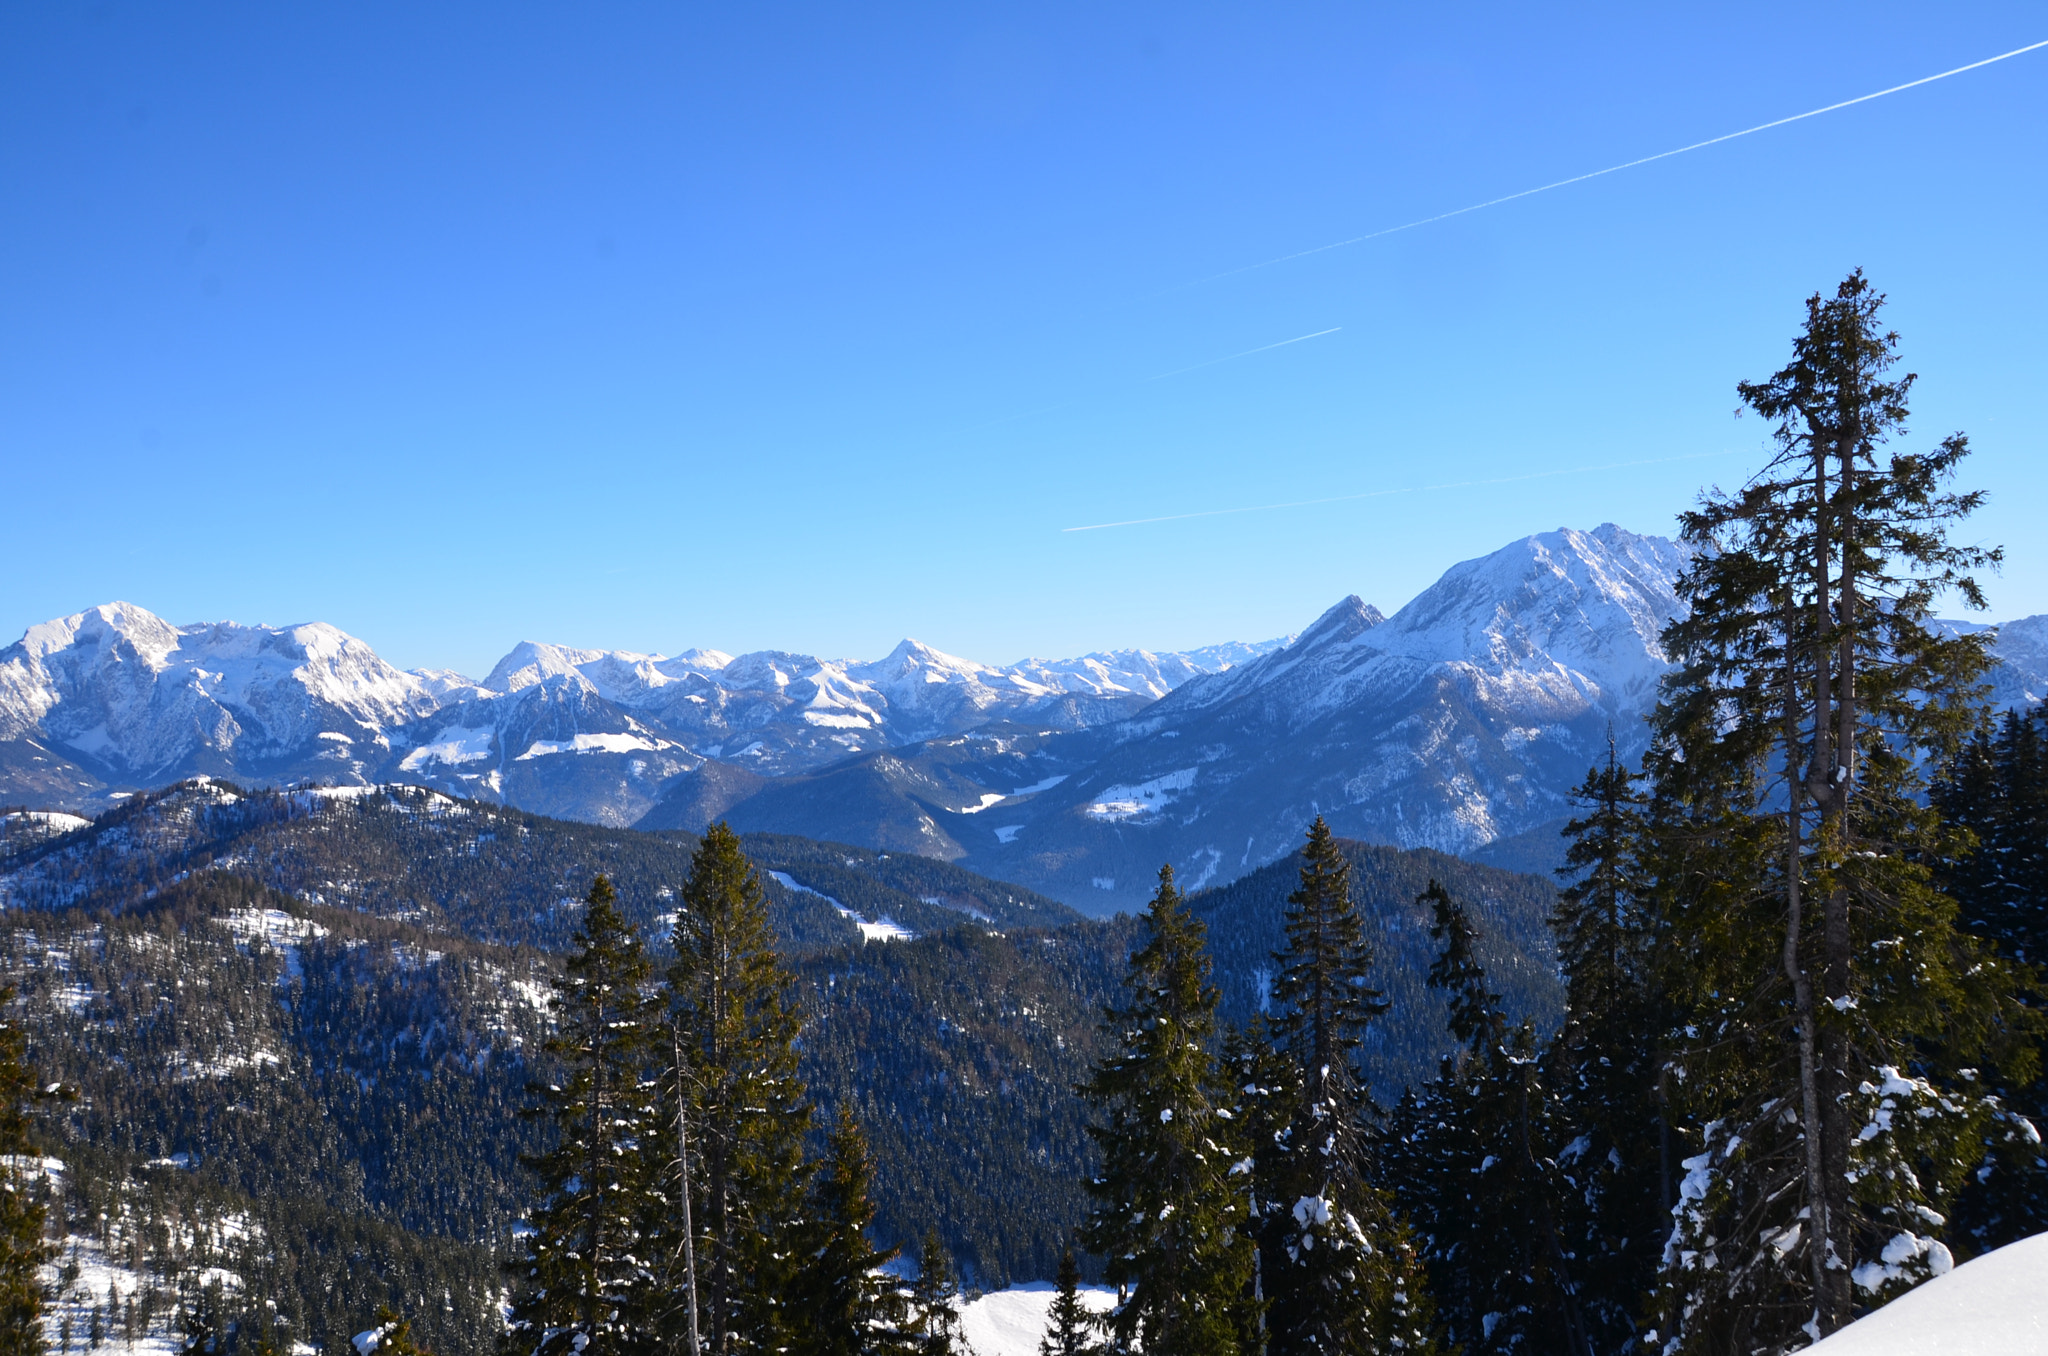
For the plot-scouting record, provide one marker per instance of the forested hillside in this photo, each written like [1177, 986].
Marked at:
[302, 1027]
[1245, 928]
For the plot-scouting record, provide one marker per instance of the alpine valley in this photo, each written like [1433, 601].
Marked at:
[1457, 724]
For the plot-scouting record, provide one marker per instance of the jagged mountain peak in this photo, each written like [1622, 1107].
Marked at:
[914, 658]
[1593, 603]
[1348, 620]
[149, 636]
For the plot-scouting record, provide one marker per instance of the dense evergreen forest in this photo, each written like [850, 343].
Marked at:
[300, 1028]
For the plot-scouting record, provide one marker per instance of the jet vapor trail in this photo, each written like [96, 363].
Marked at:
[1616, 169]
[1232, 357]
[1411, 489]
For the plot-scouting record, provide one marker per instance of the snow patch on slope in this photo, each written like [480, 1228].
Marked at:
[1011, 1322]
[1996, 1305]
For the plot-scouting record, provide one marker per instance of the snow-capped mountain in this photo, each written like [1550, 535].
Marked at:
[1459, 722]
[141, 701]
[117, 698]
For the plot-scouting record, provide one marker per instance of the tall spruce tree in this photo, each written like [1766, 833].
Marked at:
[934, 1301]
[1603, 1068]
[734, 1085]
[1996, 789]
[1335, 1265]
[1478, 1173]
[584, 1283]
[23, 1249]
[1069, 1327]
[1169, 1216]
[847, 1305]
[1831, 1007]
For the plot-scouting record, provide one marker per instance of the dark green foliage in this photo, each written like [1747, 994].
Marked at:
[1834, 1016]
[960, 1054]
[1475, 1169]
[1996, 788]
[735, 1024]
[583, 1278]
[393, 1335]
[846, 1307]
[1069, 1327]
[1332, 1258]
[1245, 922]
[1603, 1070]
[1171, 1216]
[934, 1302]
[23, 1249]
[332, 1118]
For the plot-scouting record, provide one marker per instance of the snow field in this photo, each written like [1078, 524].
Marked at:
[1996, 1305]
[1011, 1322]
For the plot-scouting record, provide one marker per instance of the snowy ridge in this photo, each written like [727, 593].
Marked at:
[116, 697]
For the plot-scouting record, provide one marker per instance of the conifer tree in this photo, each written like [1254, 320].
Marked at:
[1169, 1217]
[734, 1021]
[1264, 1092]
[1070, 1328]
[1832, 1010]
[1603, 1068]
[23, 1249]
[934, 1301]
[1996, 790]
[583, 1285]
[391, 1335]
[1335, 1265]
[1478, 1170]
[846, 1305]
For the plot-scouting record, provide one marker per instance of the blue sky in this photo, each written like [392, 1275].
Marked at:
[810, 327]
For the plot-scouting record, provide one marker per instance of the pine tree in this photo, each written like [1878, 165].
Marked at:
[1169, 1216]
[1479, 1174]
[1070, 1328]
[1832, 1011]
[934, 1301]
[23, 1249]
[734, 1023]
[846, 1305]
[1996, 790]
[1603, 1068]
[583, 1285]
[1335, 1265]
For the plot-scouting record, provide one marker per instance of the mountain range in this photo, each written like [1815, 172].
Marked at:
[1460, 723]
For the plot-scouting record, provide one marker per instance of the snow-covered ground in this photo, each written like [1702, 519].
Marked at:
[1011, 1322]
[1996, 1305]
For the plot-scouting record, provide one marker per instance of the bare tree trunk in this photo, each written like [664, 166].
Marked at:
[1819, 1233]
[1835, 933]
[696, 1346]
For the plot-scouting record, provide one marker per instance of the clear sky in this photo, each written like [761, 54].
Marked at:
[811, 326]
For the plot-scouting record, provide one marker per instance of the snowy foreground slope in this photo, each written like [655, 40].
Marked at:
[1996, 1305]
[1011, 1322]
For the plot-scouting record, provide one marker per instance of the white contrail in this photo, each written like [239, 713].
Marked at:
[1616, 169]
[1232, 357]
[1410, 489]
